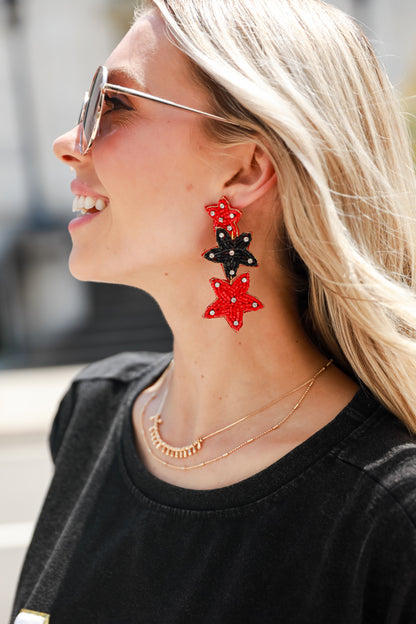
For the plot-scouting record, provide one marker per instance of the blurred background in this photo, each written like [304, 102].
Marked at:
[50, 324]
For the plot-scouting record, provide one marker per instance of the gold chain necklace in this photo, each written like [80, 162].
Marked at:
[187, 451]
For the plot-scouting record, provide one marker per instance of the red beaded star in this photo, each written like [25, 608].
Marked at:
[232, 301]
[224, 216]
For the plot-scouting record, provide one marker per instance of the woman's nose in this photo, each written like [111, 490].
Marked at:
[66, 147]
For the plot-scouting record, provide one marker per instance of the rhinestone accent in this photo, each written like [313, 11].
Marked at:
[255, 304]
[231, 252]
[212, 312]
[233, 299]
[246, 239]
[217, 284]
[212, 213]
[244, 280]
[211, 255]
[235, 323]
[250, 260]
[232, 215]
[221, 234]
[222, 205]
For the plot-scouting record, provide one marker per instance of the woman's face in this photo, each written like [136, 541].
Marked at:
[152, 165]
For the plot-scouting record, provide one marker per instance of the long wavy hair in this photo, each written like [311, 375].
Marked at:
[302, 80]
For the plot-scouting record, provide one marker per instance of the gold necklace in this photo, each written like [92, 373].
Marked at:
[187, 451]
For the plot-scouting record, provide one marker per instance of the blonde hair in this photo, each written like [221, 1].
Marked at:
[300, 77]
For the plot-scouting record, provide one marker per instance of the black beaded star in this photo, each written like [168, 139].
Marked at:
[231, 252]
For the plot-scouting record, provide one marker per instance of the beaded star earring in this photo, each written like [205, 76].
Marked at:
[233, 299]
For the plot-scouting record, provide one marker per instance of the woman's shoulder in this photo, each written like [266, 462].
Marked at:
[99, 389]
[382, 453]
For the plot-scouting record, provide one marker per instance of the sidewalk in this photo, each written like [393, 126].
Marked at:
[29, 398]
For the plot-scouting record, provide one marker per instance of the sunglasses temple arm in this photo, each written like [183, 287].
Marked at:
[154, 98]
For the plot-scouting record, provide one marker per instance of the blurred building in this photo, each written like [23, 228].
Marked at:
[48, 53]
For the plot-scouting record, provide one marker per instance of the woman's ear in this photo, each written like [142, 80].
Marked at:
[254, 178]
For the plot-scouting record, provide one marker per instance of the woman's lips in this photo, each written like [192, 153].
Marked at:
[87, 202]
[82, 220]
[80, 189]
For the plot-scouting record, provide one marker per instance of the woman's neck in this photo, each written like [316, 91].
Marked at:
[223, 373]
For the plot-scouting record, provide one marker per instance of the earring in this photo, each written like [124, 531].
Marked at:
[233, 299]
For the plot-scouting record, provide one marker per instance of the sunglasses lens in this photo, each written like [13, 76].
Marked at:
[91, 109]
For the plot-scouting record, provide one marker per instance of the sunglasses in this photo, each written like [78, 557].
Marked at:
[92, 107]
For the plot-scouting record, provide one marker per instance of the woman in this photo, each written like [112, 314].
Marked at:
[247, 157]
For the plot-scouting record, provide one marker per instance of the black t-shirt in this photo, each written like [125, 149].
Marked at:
[326, 535]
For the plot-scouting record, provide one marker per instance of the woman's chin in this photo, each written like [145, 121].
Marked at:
[88, 271]
[82, 270]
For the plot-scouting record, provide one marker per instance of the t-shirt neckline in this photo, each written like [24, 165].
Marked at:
[252, 489]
